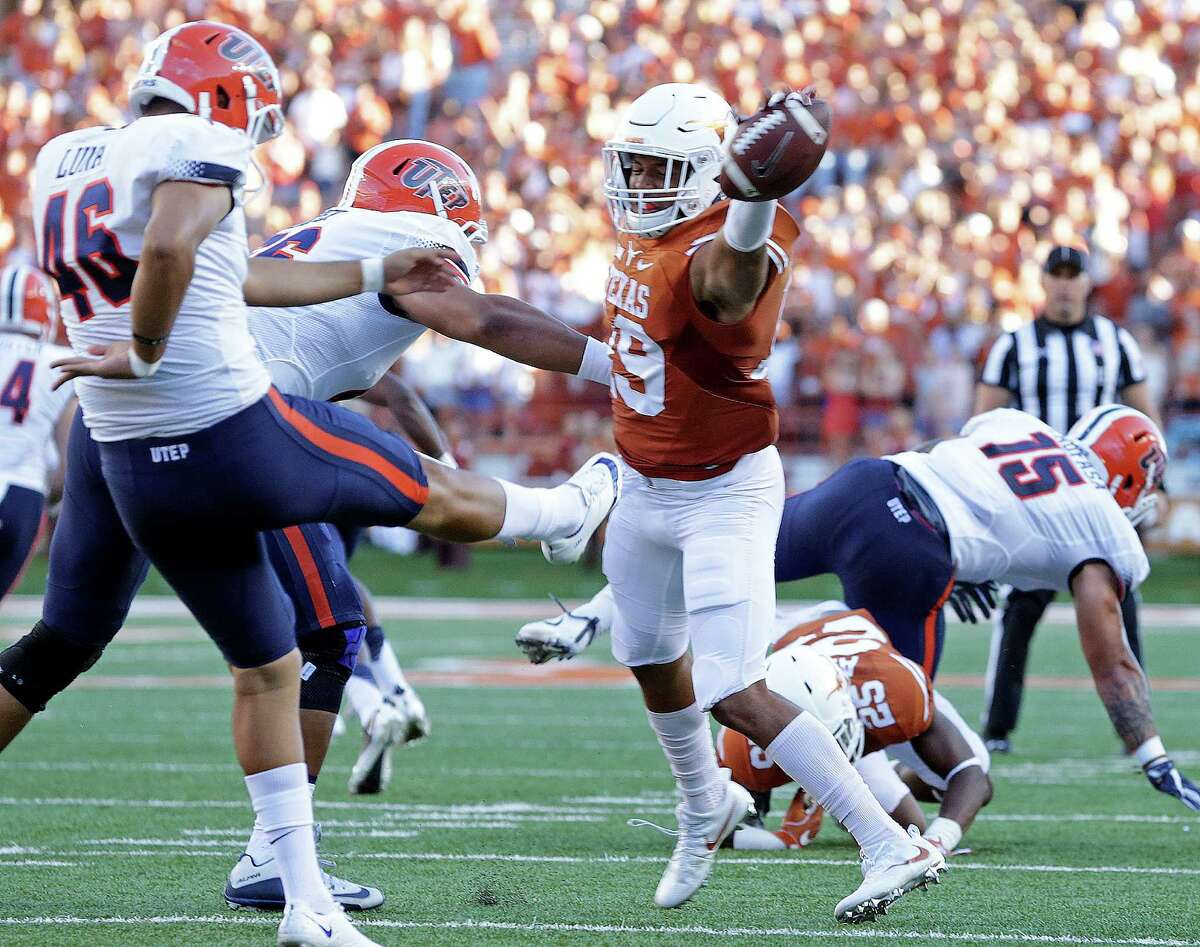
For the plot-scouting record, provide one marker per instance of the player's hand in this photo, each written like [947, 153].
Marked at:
[1144, 513]
[559, 638]
[112, 361]
[420, 271]
[1166, 778]
[966, 598]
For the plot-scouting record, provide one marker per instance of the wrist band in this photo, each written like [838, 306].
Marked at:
[1149, 751]
[946, 831]
[140, 367]
[372, 275]
[748, 224]
[596, 364]
[147, 340]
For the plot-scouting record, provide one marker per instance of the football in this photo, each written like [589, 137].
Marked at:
[776, 149]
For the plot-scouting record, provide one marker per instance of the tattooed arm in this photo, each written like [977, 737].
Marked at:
[1119, 680]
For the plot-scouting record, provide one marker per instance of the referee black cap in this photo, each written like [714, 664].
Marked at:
[1064, 255]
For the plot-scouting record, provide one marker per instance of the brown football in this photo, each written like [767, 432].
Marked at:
[776, 149]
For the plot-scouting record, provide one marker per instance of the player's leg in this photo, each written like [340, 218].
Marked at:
[95, 571]
[728, 547]
[1012, 633]
[649, 636]
[20, 524]
[379, 659]
[1130, 606]
[371, 477]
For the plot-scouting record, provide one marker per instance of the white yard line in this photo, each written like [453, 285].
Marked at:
[223, 920]
[29, 608]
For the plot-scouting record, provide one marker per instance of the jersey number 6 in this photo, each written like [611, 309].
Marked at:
[640, 356]
[97, 250]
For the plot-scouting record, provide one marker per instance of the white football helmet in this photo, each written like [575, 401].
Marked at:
[814, 683]
[687, 125]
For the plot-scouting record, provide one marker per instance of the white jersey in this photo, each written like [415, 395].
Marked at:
[346, 346]
[92, 202]
[28, 409]
[1025, 505]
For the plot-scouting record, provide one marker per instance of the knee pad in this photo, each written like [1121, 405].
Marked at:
[42, 664]
[329, 657]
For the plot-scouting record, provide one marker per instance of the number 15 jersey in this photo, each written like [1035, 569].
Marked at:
[93, 192]
[1025, 505]
[690, 395]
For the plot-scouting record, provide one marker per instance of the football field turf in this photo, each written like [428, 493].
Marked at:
[122, 808]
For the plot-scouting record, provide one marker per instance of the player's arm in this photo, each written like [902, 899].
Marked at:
[1119, 680]
[968, 786]
[511, 328]
[273, 282]
[182, 215]
[990, 397]
[62, 432]
[729, 273]
[1137, 396]
[410, 412]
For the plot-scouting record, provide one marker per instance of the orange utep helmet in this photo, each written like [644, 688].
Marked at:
[216, 71]
[28, 302]
[419, 177]
[1129, 445]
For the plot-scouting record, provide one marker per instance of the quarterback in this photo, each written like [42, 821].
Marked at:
[692, 301]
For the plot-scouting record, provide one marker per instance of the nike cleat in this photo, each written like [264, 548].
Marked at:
[303, 927]
[561, 637]
[258, 886]
[903, 865]
[599, 480]
[696, 846]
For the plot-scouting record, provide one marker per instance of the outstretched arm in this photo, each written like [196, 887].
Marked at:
[510, 328]
[729, 273]
[414, 418]
[968, 787]
[274, 282]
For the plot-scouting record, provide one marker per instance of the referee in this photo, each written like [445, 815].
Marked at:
[1057, 367]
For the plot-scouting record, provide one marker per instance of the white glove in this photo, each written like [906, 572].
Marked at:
[561, 637]
[1144, 513]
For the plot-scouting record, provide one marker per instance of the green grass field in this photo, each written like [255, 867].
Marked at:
[122, 808]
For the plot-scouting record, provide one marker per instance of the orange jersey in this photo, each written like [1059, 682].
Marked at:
[893, 695]
[690, 395]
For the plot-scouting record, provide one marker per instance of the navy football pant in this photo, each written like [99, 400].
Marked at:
[889, 560]
[197, 504]
[20, 524]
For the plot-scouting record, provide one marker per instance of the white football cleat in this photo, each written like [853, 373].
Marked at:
[599, 480]
[372, 769]
[409, 704]
[904, 864]
[303, 927]
[696, 846]
[561, 637]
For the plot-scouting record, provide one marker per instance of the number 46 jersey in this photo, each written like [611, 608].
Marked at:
[1025, 505]
[93, 194]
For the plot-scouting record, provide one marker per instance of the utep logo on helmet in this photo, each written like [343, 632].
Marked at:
[1154, 462]
[422, 173]
[246, 54]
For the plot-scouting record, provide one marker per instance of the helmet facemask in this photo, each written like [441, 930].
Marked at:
[689, 187]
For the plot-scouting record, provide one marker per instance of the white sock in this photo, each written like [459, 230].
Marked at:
[387, 673]
[687, 742]
[540, 513]
[807, 752]
[364, 697]
[283, 810]
[602, 607]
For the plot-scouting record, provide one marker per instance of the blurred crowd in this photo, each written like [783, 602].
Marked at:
[969, 135]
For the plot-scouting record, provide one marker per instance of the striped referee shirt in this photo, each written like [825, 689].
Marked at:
[1061, 372]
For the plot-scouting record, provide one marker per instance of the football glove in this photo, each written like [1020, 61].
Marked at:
[1166, 778]
[967, 597]
[1144, 513]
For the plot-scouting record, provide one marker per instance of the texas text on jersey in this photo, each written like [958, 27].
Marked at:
[892, 694]
[344, 347]
[92, 202]
[690, 395]
[1025, 505]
